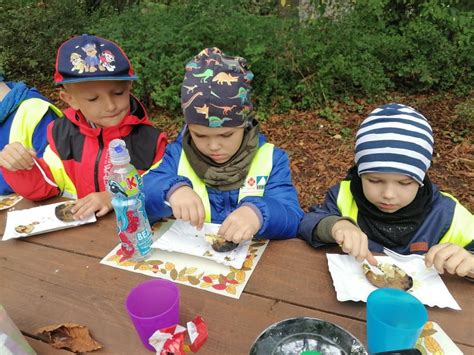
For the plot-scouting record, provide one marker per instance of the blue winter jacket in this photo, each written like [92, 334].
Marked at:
[279, 206]
[8, 109]
[447, 221]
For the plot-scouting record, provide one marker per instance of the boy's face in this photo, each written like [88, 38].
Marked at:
[105, 103]
[220, 144]
[389, 192]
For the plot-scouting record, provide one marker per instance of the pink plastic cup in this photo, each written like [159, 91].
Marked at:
[153, 305]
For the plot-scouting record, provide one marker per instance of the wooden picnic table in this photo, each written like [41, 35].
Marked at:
[56, 278]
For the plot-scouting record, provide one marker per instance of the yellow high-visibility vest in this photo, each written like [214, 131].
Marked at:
[261, 166]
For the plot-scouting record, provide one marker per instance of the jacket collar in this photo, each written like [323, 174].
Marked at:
[136, 116]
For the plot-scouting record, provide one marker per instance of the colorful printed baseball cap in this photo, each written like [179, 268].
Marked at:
[91, 58]
[216, 90]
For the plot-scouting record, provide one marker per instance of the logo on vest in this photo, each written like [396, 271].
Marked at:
[254, 183]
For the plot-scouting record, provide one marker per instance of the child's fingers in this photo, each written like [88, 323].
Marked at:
[17, 158]
[339, 236]
[201, 215]
[456, 258]
[466, 267]
[432, 253]
[347, 243]
[224, 228]
[102, 212]
[371, 259]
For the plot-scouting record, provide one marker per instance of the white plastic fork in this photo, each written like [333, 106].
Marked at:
[401, 257]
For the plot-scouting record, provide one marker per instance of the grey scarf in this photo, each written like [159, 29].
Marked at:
[231, 174]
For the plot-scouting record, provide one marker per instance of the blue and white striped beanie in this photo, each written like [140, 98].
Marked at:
[396, 139]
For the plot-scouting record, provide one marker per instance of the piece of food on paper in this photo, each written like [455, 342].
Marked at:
[388, 275]
[26, 229]
[9, 201]
[219, 244]
[70, 336]
[63, 211]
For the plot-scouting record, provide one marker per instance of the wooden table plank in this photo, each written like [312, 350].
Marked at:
[43, 348]
[56, 287]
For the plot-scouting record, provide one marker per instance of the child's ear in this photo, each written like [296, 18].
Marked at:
[67, 98]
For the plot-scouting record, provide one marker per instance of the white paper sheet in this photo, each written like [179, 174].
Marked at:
[351, 284]
[182, 237]
[42, 218]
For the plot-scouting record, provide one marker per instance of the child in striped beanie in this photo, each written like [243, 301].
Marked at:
[387, 199]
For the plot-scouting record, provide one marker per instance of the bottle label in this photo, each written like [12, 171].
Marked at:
[144, 241]
[131, 184]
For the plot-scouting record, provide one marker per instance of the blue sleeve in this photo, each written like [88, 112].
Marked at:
[317, 213]
[5, 189]
[279, 206]
[40, 134]
[157, 183]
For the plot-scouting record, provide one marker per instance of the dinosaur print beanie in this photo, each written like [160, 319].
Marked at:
[215, 90]
[397, 139]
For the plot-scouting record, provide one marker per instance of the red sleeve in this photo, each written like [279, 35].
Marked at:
[160, 147]
[31, 183]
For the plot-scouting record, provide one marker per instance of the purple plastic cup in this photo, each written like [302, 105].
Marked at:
[153, 305]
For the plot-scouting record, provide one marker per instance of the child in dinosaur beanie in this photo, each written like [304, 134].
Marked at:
[221, 169]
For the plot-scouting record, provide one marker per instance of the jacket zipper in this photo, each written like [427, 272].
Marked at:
[97, 161]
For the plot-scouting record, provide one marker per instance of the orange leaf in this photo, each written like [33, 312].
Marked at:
[432, 345]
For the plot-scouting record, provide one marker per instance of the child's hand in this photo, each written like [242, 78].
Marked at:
[450, 257]
[352, 241]
[188, 206]
[240, 225]
[96, 201]
[15, 156]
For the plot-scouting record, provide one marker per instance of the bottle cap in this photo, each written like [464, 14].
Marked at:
[118, 152]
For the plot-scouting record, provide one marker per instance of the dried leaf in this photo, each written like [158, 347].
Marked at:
[432, 345]
[231, 289]
[173, 274]
[193, 280]
[191, 270]
[71, 336]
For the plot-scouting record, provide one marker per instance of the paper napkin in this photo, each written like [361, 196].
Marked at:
[351, 284]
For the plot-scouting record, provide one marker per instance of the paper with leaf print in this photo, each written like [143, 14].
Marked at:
[182, 237]
[192, 270]
[434, 341]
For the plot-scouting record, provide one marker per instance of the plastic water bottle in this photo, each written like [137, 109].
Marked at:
[124, 183]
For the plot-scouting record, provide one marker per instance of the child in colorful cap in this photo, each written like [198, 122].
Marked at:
[221, 169]
[388, 200]
[24, 116]
[96, 78]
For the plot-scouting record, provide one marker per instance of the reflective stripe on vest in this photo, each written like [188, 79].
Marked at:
[345, 202]
[459, 232]
[261, 166]
[64, 182]
[29, 114]
[462, 225]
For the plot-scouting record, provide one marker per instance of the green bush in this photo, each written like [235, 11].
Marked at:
[370, 48]
[31, 33]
